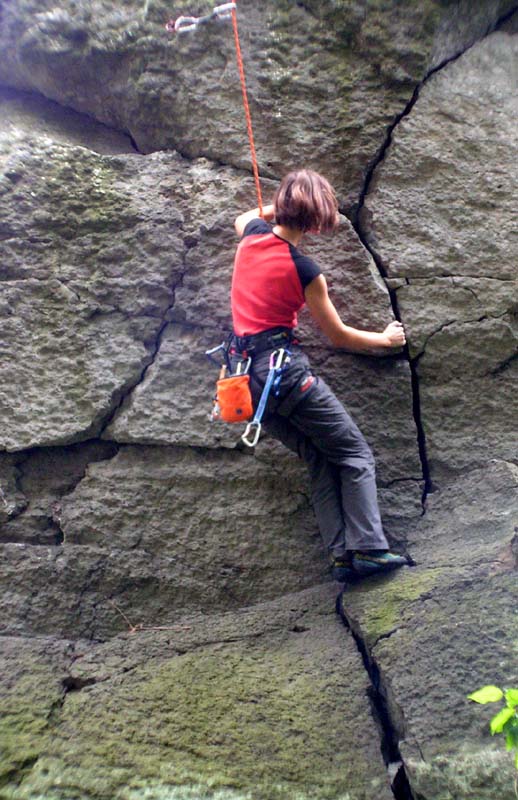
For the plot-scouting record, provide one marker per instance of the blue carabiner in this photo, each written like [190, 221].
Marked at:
[279, 360]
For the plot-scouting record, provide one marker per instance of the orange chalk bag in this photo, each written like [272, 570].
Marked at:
[233, 399]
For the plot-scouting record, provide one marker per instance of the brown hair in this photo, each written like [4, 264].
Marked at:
[306, 201]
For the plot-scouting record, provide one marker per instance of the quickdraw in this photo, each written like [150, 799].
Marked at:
[184, 24]
[279, 360]
[225, 11]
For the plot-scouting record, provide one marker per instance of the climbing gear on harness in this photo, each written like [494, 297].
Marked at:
[224, 347]
[233, 400]
[279, 360]
[184, 24]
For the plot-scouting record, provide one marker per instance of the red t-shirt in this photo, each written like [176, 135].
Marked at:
[269, 279]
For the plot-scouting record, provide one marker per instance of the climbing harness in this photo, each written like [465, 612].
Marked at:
[233, 400]
[279, 360]
[225, 11]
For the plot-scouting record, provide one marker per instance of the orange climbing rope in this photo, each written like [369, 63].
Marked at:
[248, 116]
[183, 24]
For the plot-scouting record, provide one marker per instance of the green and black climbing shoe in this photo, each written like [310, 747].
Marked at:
[342, 569]
[373, 562]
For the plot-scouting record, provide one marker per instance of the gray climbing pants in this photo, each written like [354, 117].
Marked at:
[308, 419]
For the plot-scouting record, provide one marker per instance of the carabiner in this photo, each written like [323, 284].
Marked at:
[224, 10]
[252, 426]
[276, 358]
[183, 24]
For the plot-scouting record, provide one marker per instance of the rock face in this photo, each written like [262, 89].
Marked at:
[167, 615]
[325, 78]
[440, 215]
[177, 711]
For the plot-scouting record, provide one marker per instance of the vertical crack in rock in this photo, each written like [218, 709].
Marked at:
[359, 223]
[390, 730]
[414, 377]
[189, 243]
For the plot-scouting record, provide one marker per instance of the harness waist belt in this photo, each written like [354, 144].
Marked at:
[271, 339]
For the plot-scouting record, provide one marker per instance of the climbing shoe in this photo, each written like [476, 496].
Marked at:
[374, 562]
[342, 568]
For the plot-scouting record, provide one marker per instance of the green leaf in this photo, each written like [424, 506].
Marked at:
[499, 720]
[511, 697]
[488, 694]
[511, 734]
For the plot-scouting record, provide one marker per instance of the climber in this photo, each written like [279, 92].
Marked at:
[271, 282]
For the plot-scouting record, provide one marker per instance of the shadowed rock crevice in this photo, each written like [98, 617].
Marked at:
[41, 478]
[390, 730]
[376, 242]
[15, 776]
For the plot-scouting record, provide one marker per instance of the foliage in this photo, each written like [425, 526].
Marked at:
[505, 721]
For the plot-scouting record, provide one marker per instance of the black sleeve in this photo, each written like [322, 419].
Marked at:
[307, 269]
[257, 225]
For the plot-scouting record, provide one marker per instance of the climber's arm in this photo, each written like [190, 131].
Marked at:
[327, 318]
[243, 219]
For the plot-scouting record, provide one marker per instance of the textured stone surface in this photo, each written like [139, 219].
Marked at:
[33, 488]
[446, 627]
[31, 694]
[22, 111]
[240, 706]
[91, 249]
[80, 322]
[441, 215]
[167, 626]
[325, 79]
[153, 529]
[12, 499]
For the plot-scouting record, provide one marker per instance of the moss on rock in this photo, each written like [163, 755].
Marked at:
[383, 603]
[261, 720]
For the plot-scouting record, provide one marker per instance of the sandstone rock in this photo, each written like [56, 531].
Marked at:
[31, 694]
[446, 627]
[153, 529]
[441, 216]
[92, 248]
[12, 499]
[33, 492]
[172, 405]
[325, 79]
[241, 706]
[22, 111]
[80, 323]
